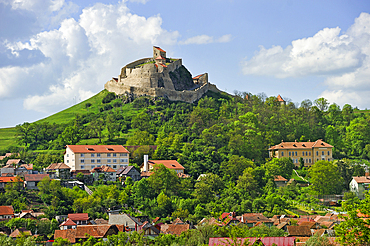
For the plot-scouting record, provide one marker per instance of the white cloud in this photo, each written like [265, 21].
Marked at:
[343, 60]
[80, 55]
[205, 39]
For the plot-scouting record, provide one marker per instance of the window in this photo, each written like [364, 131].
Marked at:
[323, 153]
[328, 153]
[67, 155]
[123, 154]
[296, 153]
[82, 161]
[309, 153]
[82, 167]
[93, 166]
[67, 161]
[124, 160]
[92, 160]
[114, 154]
[108, 155]
[289, 153]
[282, 153]
[114, 160]
[92, 155]
[99, 166]
[108, 160]
[317, 152]
[98, 155]
[98, 161]
[82, 155]
[120, 165]
[114, 166]
[309, 160]
[303, 153]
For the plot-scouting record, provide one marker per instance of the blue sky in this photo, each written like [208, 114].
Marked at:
[54, 53]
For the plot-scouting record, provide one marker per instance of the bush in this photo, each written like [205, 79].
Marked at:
[109, 97]
[88, 105]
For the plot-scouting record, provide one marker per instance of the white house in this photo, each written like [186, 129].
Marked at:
[359, 185]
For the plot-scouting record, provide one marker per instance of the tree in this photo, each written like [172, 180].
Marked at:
[280, 166]
[322, 103]
[113, 126]
[232, 168]
[164, 179]
[325, 178]
[247, 184]
[355, 230]
[208, 188]
[97, 127]
[141, 138]
[23, 132]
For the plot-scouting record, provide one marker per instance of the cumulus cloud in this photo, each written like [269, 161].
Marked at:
[342, 59]
[205, 39]
[80, 55]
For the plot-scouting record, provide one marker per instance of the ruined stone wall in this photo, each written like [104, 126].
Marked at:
[186, 96]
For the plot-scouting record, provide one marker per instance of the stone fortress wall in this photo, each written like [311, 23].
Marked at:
[155, 77]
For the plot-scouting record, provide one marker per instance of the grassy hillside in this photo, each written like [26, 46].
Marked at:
[7, 135]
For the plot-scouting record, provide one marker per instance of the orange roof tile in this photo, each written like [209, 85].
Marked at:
[362, 179]
[6, 210]
[27, 166]
[279, 178]
[198, 76]
[160, 58]
[104, 169]
[280, 99]
[69, 234]
[78, 216]
[171, 164]
[19, 232]
[301, 145]
[174, 229]
[159, 48]
[7, 179]
[55, 166]
[97, 148]
[34, 177]
[68, 222]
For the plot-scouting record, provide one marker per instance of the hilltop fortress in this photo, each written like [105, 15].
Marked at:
[160, 76]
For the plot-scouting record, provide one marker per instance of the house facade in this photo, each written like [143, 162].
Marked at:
[148, 165]
[58, 170]
[109, 174]
[6, 212]
[31, 180]
[87, 157]
[359, 185]
[310, 152]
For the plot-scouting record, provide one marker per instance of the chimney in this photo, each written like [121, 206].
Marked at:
[146, 168]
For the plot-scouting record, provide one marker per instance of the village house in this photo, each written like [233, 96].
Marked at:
[8, 180]
[105, 172]
[132, 223]
[82, 232]
[176, 228]
[129, 171]
[359, 185]
[79, 218]
[31, 180]
[263, 241]
[149, 229]
[58, 171]
[148, 165]
[6, 212]
[310, 152]
[251, 219]
[68, 224]
[87, 157]
[280, 181]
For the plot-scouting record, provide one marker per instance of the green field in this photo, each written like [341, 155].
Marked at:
[7, 138]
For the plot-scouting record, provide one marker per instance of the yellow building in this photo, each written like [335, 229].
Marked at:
[310, 152]
[87, 157]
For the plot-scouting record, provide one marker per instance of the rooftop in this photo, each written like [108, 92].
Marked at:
[55, 166]
[6, 210]
[171, 164]
[97, 148]
[301, 145]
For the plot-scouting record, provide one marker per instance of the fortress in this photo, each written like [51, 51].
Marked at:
[160, 76]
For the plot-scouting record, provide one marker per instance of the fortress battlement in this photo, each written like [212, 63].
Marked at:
[159, 76]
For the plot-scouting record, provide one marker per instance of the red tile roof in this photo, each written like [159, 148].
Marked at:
[55, 166]
[6, 179]
[171, 164]
[279, 178]
[34, 177]
[280, 99]
[69, 234]
[301, 145]
[13, 161]
[197, 77]
[97, 148]
[254, 218]
[6, 210]
[19, 232]
[362, 179]
[27, 166]
[78, 216]
[159, 58]
[68, 222]
[301, 231]
[278, 241]
[226, 241]
[159, 49]
[174, 229]
[310, 224]
[104, 169]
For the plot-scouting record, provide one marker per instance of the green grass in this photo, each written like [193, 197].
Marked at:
[7, 138]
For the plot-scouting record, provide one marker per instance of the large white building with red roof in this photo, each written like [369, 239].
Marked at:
[87, 157]
[310, 152]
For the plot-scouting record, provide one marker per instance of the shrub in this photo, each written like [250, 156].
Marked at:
[109, 97]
